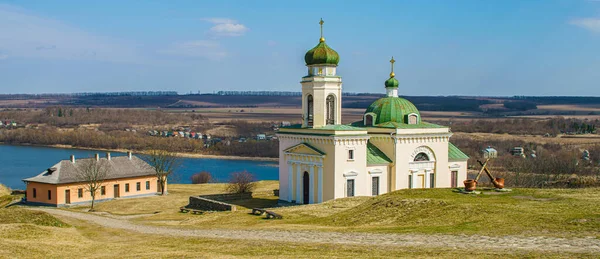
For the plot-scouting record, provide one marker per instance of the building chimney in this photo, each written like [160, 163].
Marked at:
[129, 155]
[97, 157]
[108, 156]
[72, 158]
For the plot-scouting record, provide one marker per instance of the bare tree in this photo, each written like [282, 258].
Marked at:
[92, 172]
[164, 164]
[202, 177]
[241, 182]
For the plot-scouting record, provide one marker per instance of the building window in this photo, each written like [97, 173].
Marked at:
[80, 193]
[147, 185]
[431, 180]
[138, 186]
[309, 110]
[421, 157]
[412, 119]
[350, 188]
[102, 190]
[368, 120]
[454, 179]
[126, 187]
[49, 195]
[410, 185]
[375, 186]
[351, 154]
[330, 104]
[34, 193]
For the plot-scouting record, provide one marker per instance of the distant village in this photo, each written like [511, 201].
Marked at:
[186, 132]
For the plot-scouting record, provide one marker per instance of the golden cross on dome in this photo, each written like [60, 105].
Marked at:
[392, 61]
[321, 23]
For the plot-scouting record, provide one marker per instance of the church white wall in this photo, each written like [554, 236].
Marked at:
[284, 189]
[404, 157]
[461, 168]
[320, 88]
[351, 169]
[380, 171]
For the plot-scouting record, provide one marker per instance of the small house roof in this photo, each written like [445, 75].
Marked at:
[117, 167]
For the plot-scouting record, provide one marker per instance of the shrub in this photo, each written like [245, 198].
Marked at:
[202, 177]
[241, 182]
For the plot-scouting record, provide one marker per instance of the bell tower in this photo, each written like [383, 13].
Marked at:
[322, 87]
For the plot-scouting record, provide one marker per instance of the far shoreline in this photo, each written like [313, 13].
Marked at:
[178, 154]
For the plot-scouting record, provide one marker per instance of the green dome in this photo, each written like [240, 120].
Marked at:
[392, 82]
[321, 54]
[392, 109]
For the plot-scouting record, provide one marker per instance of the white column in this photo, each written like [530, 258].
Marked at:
[290, 181]
[299, 184]
[320, 184]
[426, 178]
[311, 189]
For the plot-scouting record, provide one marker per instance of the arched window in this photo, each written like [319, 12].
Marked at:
[421, 157]
[309, 111]
[330, 104]
[368, 120]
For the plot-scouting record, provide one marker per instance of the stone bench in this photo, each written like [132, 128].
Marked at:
[193, 211]
[272, 215]
[259, 211]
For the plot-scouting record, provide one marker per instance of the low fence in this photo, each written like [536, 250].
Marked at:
[201, 203]
[228, 196]
[217, 202]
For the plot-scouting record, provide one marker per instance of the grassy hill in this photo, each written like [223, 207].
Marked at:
[545, 212]
[523, 212]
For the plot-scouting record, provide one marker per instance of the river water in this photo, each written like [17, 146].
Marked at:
[19, 162]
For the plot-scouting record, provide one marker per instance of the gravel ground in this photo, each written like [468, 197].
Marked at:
[548, 244]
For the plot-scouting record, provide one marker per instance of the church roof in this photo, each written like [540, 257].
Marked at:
[392, 109]
[376, 156]
[311, 148]
[455, 154]
[322, 54]
[398, 125]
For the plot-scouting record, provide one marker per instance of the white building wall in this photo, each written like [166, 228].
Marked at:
[351, 169]
[380, 171]
[405, 148]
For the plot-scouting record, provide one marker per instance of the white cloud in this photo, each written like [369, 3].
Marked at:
[225, 27]
[592, 24]
[219, 20]
[3, 56]
[197, 49]
[24, 34]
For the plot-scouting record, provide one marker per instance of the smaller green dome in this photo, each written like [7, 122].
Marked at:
[321, 54]
[393, 109]
[392, 82]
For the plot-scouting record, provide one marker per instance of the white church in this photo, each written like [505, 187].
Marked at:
[391, 148]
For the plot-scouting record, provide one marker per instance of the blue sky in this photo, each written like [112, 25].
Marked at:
[444, 47]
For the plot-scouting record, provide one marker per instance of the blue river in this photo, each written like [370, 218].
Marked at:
[19, 162]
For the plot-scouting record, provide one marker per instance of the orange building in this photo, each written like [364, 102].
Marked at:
[59, 185]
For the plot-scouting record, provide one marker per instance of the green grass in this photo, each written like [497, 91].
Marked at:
[4, 190]
[546, 212]
[26, 233]
[85, 240]
[521, 212]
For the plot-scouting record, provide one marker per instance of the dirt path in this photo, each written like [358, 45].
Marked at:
[548, 244]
